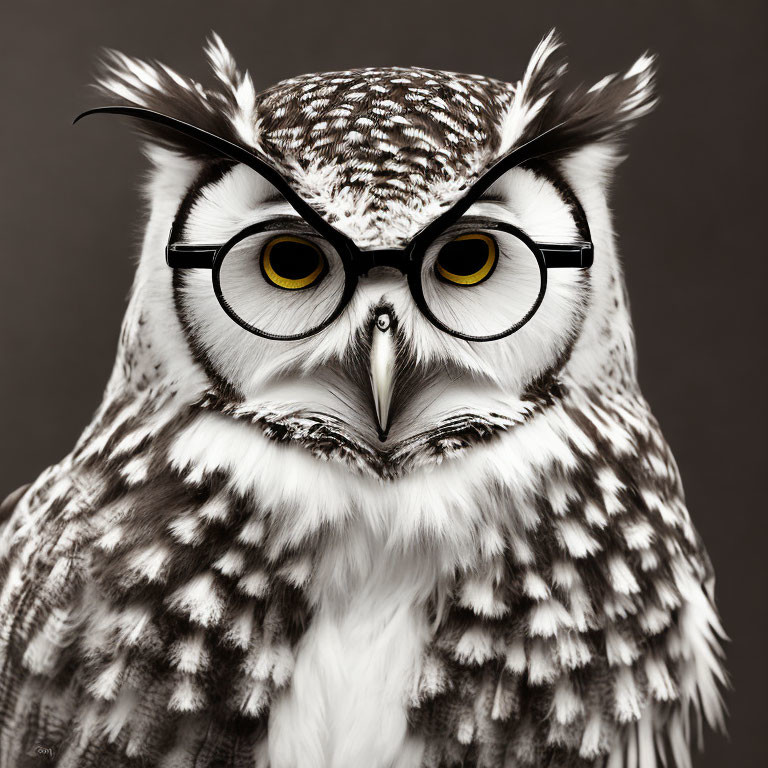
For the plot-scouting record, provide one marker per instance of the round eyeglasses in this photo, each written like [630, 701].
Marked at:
[289, 278]
[478, 279]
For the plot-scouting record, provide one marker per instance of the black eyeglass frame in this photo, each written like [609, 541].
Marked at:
[356, 261]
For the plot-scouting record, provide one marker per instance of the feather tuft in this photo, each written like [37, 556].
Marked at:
[600, 113]
[228, 111]
[532, 91]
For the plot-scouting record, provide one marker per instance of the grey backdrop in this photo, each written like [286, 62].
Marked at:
[690, 209]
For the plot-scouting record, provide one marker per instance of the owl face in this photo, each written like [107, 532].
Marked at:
[380, 154]
[435, 376]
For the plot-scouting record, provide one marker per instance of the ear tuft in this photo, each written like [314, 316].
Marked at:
[238, 87]
[229, 112]
[642, 98]
[222, 62]
[533, 90]
[602, 113]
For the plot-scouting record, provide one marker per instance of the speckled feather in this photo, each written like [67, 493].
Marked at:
[199, 608]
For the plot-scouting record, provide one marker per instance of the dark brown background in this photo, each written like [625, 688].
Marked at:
[690, 211]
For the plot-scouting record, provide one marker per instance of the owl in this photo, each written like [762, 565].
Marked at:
[373, 484]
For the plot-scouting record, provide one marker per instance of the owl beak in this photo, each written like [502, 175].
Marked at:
[382, 370]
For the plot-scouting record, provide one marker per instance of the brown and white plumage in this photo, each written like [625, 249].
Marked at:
[230, 568]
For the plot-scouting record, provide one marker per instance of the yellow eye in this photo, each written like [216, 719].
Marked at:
[467, 260]
[292, 262]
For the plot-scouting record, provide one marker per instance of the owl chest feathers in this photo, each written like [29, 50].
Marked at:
[375, 623]
[375, 579]
[357, 663]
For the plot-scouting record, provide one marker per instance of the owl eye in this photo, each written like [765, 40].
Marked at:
[467, 260]
[292, 263]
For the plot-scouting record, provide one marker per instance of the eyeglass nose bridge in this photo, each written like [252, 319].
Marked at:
[397, 258]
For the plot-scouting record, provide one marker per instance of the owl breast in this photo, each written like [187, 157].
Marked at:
[356, 664]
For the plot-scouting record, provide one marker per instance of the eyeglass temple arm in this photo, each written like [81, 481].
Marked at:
[574, 256]
[190, 256]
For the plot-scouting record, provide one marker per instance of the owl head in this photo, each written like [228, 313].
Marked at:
[382, 264]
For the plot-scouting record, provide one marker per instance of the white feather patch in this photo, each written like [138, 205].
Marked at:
[523, 109]
[199, 599]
